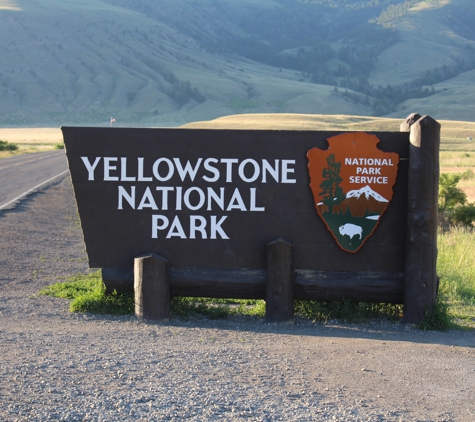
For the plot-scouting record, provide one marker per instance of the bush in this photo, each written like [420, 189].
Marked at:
[464, 214]
[467, 174]
[453, 206]
[7, 146]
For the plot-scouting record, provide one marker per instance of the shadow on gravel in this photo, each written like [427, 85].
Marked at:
[378, 331]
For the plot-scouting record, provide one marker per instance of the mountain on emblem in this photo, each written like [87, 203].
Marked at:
[363, 201]
[352, 185]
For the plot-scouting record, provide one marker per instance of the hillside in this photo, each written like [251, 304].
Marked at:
[176, 61]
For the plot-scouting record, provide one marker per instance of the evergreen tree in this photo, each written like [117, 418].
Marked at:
[332, 193]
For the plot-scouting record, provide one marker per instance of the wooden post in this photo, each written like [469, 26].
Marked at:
[420, 284]
[280, 282]
[410, 120]
[151, 287]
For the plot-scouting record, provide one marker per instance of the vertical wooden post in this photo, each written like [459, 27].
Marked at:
[420, 285]
[151, 287]
[280, 282]
[410, 120]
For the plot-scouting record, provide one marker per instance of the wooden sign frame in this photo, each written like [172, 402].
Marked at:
[264, 241]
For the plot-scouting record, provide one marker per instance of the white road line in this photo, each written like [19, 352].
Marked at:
[30, 161]
[31, 190]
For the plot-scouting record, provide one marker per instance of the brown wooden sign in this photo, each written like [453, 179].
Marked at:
[261, 214]
[352, 184]
[215, 198]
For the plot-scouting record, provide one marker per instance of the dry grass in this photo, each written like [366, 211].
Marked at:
[454, 134]
[456, 268]
[289, 121]
[30, 139]
[43, 135]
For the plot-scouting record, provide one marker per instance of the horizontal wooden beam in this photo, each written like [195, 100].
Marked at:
[251, 284]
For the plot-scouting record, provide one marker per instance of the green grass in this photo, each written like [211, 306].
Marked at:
[456, 269]
[347, 311]
[87, 294]
[186, 307]
[457, 159]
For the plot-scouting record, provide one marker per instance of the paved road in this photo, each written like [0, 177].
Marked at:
[24, 174]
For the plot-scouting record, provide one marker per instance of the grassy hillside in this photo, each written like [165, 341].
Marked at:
[436, 46]
[176, 61]
[84, 62]
[454, 134]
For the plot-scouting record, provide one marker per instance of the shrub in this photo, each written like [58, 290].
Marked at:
[453, 206]
[468, 174]
[7, 146]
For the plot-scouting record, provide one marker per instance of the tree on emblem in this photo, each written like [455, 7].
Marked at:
[332, 193]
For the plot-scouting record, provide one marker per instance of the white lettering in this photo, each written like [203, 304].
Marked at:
[178, 198]
[129, 198]
[156, 227]
[108, 167]
[219, 200]
[123, 171]
[229, 167]
[188, 169]
[236, 202]
[186, 199]
[164, 190]
[211, 169]
[256, 170]
[286, 170]
[368, 162]
[253, 202]
[216, 228]
[171, 169]
[370, 179]
[147, 201]
[141, 177]
[90, 168]
[194, 227]
[176, 229]
[273, 171]
[198, 224]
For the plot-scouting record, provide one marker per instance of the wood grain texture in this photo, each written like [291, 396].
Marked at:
[420, 286]
[151, 288]
[326, 286]
[280, 282]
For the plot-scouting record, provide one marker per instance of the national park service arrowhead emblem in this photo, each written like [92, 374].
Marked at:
[352, 184]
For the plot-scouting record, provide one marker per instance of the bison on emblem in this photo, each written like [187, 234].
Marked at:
[351, 230]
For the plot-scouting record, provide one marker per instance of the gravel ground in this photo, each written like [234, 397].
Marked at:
[55, 365]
